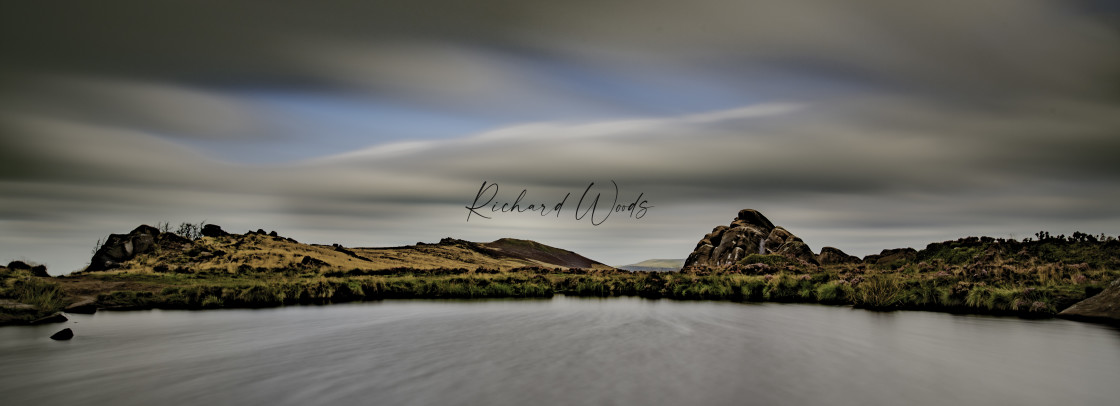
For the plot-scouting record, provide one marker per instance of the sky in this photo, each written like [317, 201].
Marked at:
[856, 124]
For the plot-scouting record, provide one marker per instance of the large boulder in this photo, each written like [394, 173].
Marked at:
[832, 256]
[311, 262]
[1102, 307]
[119, 248]
[749, 233]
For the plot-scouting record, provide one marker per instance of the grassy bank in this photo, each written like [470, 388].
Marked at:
[1033, 278]
[1047, 293]
[25, 298]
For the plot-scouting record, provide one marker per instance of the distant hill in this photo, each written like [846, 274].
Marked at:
[656, 265]
[542, 254]
[148, 249]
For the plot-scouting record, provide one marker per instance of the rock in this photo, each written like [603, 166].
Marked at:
[87, 306]
[1102, 307]
[172, 241]
[64, 334]
[798, 250]
[273, 234]
[310, 262]
[213, 230]
[754, 217]
[54, 318]
[887, 257]
[40, 271]
[830, 256]
[119, 248]
[37, 270]
[749, 233]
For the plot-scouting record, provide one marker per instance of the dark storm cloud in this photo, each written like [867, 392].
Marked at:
[952, 48]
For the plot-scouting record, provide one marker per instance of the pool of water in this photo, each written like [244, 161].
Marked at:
[564, 350]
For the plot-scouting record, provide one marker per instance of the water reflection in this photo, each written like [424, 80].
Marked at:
[559, 351]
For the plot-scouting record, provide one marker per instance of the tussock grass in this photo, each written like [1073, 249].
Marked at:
[898, 289]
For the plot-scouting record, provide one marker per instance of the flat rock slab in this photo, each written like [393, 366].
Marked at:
[1102, 307]
[54, 318]
[87, 306]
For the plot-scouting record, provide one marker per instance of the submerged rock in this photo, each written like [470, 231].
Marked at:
[64, 334]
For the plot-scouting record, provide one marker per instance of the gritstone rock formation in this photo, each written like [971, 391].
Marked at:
[750, 233]
[213, 230]
[119, 248]
[830, 256]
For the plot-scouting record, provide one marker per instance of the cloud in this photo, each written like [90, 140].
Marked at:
[795, 160]
[861, 124]
[157, 107]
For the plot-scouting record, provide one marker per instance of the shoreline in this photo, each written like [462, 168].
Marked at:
[173, 292]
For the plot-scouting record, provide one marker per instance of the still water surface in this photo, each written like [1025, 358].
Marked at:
[616, 351]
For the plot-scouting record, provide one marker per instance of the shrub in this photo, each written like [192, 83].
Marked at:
[879, 291]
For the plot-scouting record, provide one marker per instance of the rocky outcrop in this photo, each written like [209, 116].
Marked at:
[311, 262]
[119, 248]
[749, 233]
[36, 270]
[40, 271]
[891, 256]
[213, 230]
[832, 256]
[1102, 307]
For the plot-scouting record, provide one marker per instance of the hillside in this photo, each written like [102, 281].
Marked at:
[205, 266]
[655, 265]
[1034, 276]
[147, 249]
[751, 260]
